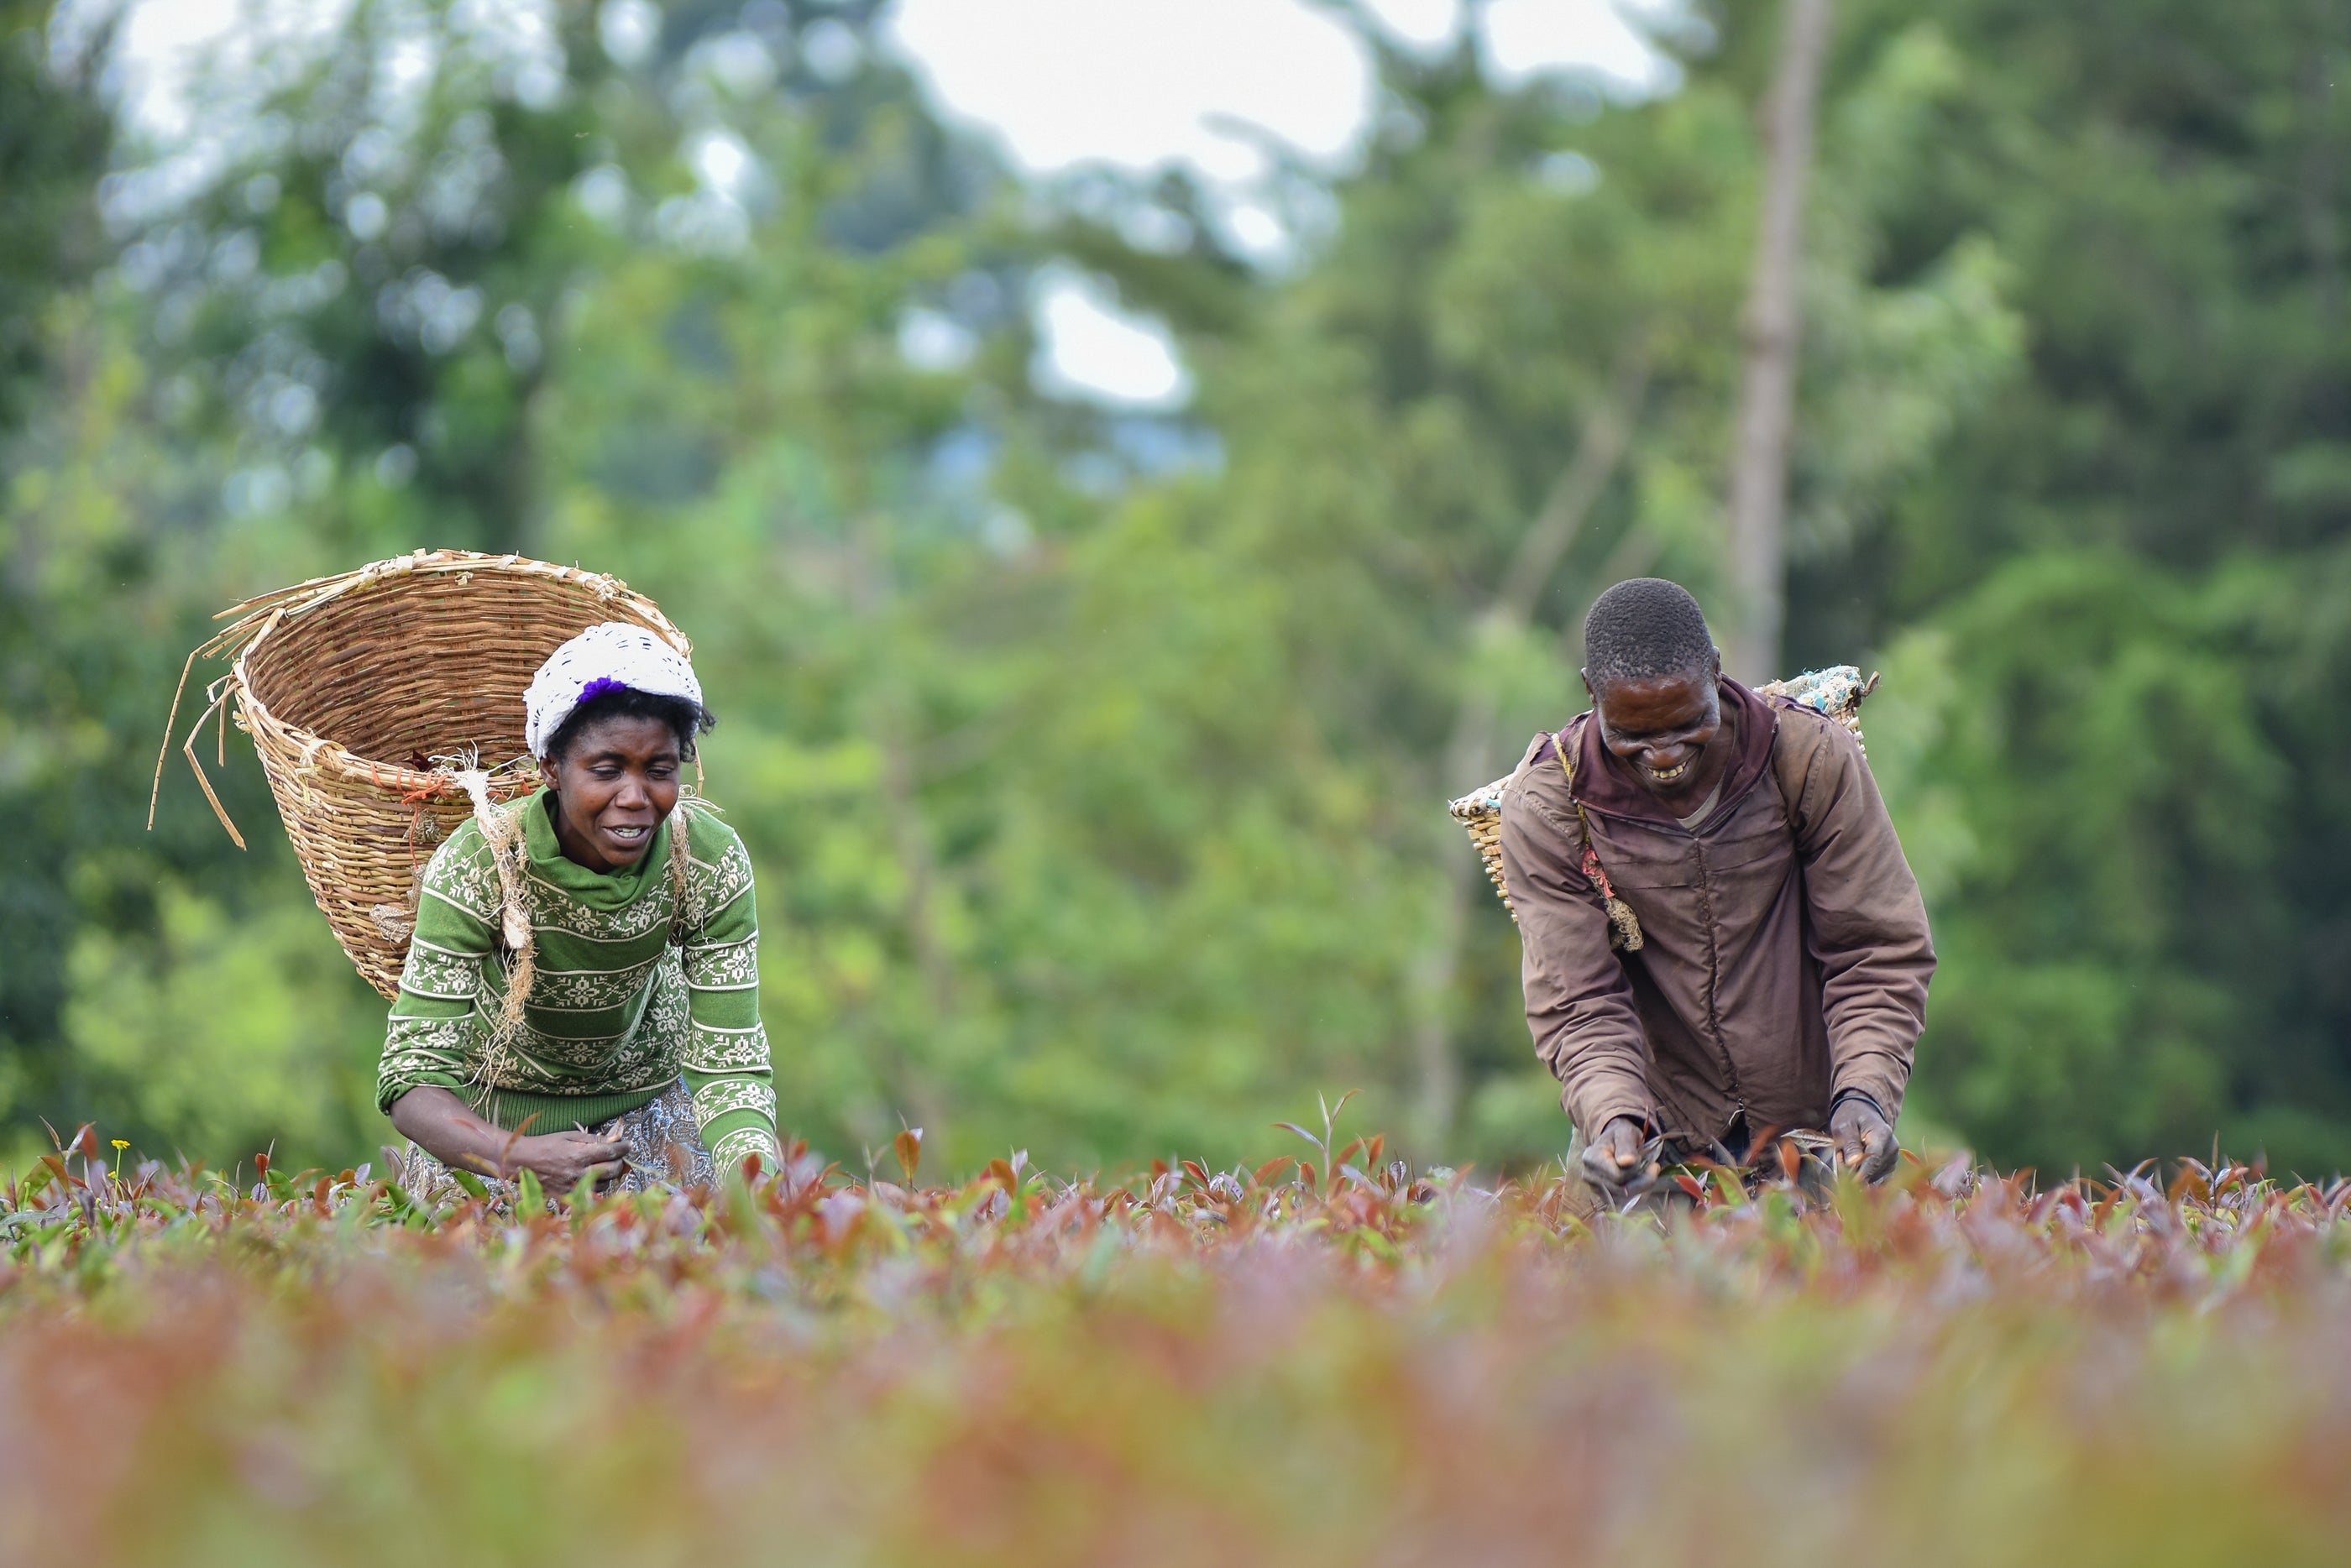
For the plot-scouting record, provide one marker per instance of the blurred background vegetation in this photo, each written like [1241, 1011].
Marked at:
[1094, 758]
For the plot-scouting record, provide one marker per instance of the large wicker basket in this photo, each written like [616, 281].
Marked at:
[381, 701]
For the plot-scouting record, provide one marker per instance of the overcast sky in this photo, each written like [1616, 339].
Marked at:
[1140, 83]
[1062, 85]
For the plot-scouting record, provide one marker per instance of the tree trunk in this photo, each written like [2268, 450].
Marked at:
[873, 592]
[2322, 227]
[1774, 333]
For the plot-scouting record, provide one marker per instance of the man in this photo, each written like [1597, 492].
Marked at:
[1774, 959]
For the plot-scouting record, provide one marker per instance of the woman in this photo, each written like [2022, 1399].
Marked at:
[581, 995]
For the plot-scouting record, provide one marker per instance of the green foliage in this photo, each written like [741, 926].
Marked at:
[1093, 762]
[2117, 580]
[53, 136]
[237, 1035]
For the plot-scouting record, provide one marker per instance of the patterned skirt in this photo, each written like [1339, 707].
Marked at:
[660, 1139]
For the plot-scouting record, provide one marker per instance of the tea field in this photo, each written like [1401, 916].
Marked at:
[1338, 1362]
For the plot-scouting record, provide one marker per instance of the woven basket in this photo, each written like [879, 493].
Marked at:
[386, 704]
[1837, 692]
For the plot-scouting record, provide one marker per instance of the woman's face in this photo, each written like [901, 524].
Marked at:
[613, 787]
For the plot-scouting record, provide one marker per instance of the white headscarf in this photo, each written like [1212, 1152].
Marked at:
[602, 656]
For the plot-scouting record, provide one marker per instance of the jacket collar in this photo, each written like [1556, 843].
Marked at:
[1605, 784]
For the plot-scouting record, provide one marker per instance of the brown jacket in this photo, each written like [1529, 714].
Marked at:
[1786, 953]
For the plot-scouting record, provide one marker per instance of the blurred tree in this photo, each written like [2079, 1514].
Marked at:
[2129, 568]
[55, 141]
[339, 343]
[1508, 380]
[1773, 330]
[1094, 759]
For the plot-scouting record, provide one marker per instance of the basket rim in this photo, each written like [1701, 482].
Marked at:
[258, 618]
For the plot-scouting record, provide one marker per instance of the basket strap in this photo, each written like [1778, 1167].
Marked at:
[503, 833]
[683, 915]
[1624, 926]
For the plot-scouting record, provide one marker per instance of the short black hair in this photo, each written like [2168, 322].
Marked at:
[686, 718]
[1646, 628]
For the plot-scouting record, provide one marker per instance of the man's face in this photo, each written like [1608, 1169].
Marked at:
[1659, 728]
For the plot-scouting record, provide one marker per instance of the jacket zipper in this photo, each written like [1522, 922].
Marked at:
[1714, 981]
[1722, 813]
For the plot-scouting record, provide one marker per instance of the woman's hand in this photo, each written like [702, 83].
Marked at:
[562, 1161]
[445, 1127]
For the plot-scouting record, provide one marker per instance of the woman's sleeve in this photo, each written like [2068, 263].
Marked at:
[727, 1066]
[432, 1035]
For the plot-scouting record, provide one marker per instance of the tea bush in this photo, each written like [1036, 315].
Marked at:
[1342, 1361]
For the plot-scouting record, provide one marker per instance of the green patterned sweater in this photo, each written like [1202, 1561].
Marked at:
[619, 1010]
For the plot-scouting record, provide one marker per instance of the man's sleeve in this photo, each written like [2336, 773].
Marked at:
[726, 1069]
[1579, 1003]
[1868, 923]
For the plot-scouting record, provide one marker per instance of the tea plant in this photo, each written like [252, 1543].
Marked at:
[1340, 1360]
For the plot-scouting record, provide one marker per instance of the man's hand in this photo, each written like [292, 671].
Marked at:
[1614, 1158]
[1864, 1142]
